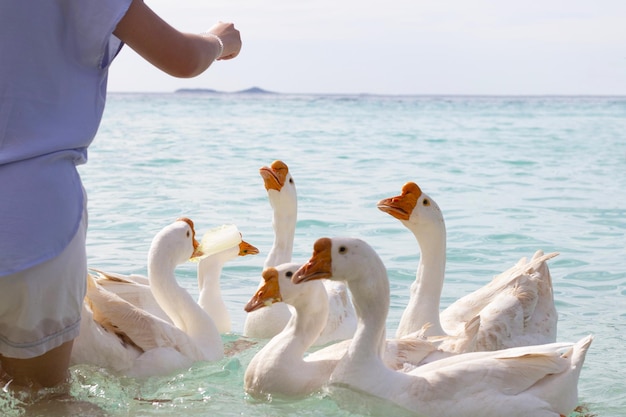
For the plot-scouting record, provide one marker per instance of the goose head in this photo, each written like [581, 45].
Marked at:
[225, 238]
[277, 286]
[276, 176]
[280, 186]
[350, 260]
[219, 245]
[243, 248]
[268, 293]
[416, 210]
[174, 245]
[357, 264]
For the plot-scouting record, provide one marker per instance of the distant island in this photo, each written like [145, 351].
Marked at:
[252, 90]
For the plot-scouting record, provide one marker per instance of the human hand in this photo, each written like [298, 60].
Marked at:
[230, 37]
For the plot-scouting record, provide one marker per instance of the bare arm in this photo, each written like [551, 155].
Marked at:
[179, 54]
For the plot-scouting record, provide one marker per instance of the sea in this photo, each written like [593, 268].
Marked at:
[512, 175]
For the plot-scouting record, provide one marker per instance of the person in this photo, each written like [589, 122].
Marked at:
[55, 60]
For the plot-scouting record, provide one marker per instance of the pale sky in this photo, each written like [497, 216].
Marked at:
[402, 47]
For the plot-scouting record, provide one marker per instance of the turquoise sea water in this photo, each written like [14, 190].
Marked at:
[511, 174]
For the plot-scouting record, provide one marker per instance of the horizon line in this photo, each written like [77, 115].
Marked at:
[262, 92]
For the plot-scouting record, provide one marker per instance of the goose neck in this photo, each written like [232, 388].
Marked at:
[370, 296]
[428, 285]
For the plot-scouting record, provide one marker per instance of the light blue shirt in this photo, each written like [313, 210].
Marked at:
[54, 58]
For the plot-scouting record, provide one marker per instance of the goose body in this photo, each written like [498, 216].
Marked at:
[267, 322]
[219, 246]
[515, 309]
[118, 335]
[539, 381]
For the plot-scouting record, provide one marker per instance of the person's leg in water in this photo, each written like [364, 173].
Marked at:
[45, 371]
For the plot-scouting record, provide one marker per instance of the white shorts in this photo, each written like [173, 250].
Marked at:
[40, 307]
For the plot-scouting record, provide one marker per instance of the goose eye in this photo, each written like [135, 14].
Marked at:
[188, 233]
[289, 274]
[343, 249]
[426, 202]
[290, 180]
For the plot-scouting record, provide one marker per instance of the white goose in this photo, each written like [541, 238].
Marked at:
[538, 381]
[268, 322]
[122, 337]
[219, 245]
[515, 309]
[279, 368]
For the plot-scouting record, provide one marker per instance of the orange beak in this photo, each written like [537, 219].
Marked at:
[319, 265]
[274, 176]
[401, 206]
[268, 294]
[247, 249]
